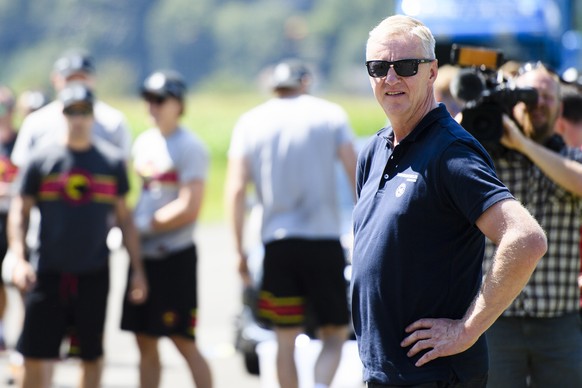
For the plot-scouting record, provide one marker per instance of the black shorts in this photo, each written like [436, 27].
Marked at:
[60, 303]
[170, 308]
[303, 278]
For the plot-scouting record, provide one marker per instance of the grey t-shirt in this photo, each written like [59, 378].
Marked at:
[164, 164]
[291, 146]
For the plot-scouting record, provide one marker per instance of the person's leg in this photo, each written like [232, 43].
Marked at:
[37, 373]
[3, 298]
[557, 351]
[508, 354]
[323, 265]
[42, 331]
[286, 368]
[2, 310]
[91, 372]
[89, 293]
[332, 339]
[150, 367]
[196, 362]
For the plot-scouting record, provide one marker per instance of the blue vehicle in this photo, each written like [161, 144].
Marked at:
[524, 30]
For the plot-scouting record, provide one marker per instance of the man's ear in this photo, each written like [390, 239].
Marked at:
[434, 70]
[559, 126]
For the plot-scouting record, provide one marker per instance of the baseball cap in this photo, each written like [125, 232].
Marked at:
[78, 95]
[289, 73]
[74, 61]
[163, 84]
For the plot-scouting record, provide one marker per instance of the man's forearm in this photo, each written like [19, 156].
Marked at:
[515, 259]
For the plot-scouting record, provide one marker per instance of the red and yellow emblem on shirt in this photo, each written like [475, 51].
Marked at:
[78, 187]
[7, 170]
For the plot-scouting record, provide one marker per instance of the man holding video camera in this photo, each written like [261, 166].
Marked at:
[538, 340]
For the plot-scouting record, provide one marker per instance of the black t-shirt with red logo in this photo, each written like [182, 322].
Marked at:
[76, 193]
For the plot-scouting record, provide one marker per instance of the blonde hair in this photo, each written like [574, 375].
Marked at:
[404, 26]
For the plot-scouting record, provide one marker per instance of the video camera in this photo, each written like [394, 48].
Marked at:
[486, 94]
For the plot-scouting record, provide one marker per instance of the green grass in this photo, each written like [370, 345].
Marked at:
[212, 118]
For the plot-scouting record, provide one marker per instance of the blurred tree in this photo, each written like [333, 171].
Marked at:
[216, 44]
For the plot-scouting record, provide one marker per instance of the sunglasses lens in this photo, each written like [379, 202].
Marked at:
[406, 67]
[377, 69]
[78, 111]
[156, 100]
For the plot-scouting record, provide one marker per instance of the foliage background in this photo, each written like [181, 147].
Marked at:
[222, 47]
[219, 45]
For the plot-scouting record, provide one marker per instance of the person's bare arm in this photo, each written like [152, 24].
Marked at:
[181, 211]
[565, 172]
[18, 218]
[521, 243]
[348, 157]
[139, 288]
[235, 205]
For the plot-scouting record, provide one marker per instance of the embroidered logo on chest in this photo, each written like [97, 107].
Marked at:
[400, 190]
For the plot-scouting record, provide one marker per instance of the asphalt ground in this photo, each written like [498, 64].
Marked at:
[220, 301]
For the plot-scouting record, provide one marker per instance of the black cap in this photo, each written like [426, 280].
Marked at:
[74, 61]
[289, 73]
[164, 83]
[76, 93]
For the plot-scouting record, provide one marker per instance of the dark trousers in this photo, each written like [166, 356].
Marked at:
[478, 382]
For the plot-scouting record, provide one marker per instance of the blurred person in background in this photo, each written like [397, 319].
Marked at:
[7, 174]
[287, 149]
[569, 126]
[510, 69]
[442, 89]
[569, 122]
[172, 163]
[79, 186]
[537, 340]
[48, 123]
[30, 101]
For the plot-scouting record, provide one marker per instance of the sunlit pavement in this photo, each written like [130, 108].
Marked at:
[219, 302]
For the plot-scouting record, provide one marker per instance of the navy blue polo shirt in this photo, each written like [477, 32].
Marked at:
[417, 251]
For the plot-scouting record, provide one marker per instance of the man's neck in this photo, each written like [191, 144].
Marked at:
[78, 144]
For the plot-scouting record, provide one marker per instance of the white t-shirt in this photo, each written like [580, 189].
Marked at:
[48, 124]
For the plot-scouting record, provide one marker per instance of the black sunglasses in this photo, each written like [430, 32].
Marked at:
[403, 67]
[154, 99]
[78, 111]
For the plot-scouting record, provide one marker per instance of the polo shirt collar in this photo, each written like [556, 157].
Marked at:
[436, 114]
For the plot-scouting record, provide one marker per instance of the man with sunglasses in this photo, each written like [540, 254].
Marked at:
[288, 148]
[79, 186]
[428, 196]
[45, 124]
[538, 337]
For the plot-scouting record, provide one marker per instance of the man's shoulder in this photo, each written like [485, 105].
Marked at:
[46, 151]
[43, 116]
[188, 138]
[322, 104]
[107, 115]
[108, 150]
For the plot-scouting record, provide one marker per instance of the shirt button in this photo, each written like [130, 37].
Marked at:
[385, 176]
